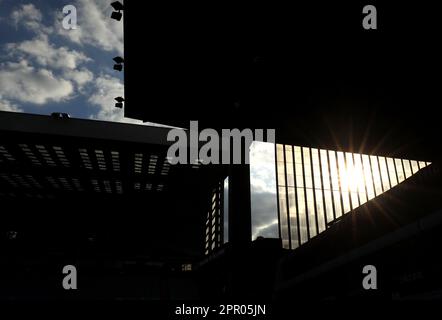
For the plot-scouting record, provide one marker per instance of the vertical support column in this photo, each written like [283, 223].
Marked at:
[240, 216]
[240, 230]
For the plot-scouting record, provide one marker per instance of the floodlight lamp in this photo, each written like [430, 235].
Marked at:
[118, 60]
[117, 5]
[116, 15]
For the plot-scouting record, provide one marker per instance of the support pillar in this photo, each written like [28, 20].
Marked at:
[240, 216]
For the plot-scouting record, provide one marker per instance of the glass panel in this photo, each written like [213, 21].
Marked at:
[384, 173]
[368, 177]
[279, 152]
[290, 174]
[280, 164]
[293, 215]
[316, 169]
[376, 175]
[361, 178]
[414, 166]
[302, 215]
[325, 172]
[343, 179]
[298, 154]
[288, 154]
[344, 182]
[283, 217]
[311, 213]
[392, 171]
[326, 186]
[298, 168]
[309, 192]
[422, 164]
[299, 175]
[281, 173]
[407, 168]
[307, 168]
[334, 175]
[328, 205]
[337, 203]
[353, 180]
[320, 210]
[318, 189]
[399, 170]
[354, 200]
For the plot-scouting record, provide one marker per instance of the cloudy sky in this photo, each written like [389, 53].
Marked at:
[263, 190]
[45, 68]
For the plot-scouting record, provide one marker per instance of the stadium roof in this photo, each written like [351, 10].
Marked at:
[86, 176]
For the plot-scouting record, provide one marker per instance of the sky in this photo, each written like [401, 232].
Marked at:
[263, 190]
[45, 68]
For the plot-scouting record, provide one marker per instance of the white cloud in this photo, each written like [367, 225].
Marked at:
[269, 230]
[29, 17]
[262, 167]
[21, 81]
[80, 77]
[43, 72]
[6, 105]
[263, 190]
[107, 88]
[60, 66]
[95, 27]
[46, 54]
